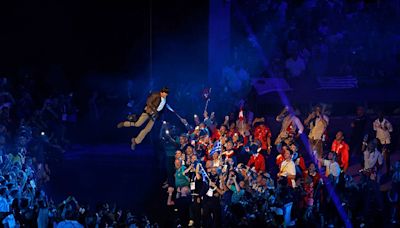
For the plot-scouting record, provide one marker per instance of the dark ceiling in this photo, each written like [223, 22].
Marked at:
[76, 38]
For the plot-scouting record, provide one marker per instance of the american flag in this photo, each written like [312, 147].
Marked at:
[216, 148]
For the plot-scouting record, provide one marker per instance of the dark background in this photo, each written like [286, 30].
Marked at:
[64, 43]
[87, 46]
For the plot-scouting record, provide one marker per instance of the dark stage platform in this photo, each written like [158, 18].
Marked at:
[112, 173]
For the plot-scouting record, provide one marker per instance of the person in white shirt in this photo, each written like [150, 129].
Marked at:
[373, 158]
[332, 168]
[154, 105]
[317, 122]
[383, 129]
[288, 169]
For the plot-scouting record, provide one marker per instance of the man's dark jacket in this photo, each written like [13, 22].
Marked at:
[152, 103]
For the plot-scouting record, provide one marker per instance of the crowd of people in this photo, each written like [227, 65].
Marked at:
[237, 173]
[240, 174]
[32, 139]
[318, 38]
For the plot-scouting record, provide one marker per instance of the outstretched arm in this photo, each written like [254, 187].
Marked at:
[281, 115]
[308, 119]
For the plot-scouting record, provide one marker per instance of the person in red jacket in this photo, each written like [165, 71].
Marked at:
[217, 133]
[263, 134]
[341, 148]
[232, 130]
[257, 161]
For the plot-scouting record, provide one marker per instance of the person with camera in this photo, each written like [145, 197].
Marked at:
[154, 105]
[317, 123]
[236, 186]
[373, 160]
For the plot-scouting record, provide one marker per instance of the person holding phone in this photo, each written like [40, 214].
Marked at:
[317, 123]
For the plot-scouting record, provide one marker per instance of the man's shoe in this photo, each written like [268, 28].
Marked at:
[133, 145]
[132, 117]
[120, 124]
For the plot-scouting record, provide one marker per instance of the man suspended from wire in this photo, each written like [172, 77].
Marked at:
[154, 105]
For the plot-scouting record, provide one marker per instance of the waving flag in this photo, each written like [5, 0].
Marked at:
[241, 116]
[206, 93]
[216, 148]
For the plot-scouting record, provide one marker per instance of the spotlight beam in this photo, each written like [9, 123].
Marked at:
[285, 101]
